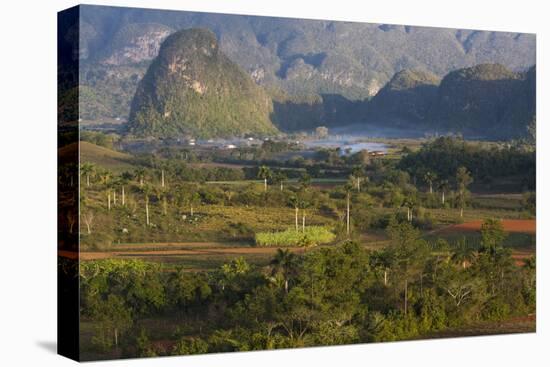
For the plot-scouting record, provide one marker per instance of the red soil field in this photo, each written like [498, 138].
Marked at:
[510, 225]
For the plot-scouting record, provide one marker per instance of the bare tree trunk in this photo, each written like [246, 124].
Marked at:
[281, 186]
[109, 201]
[116, 337]
[296, 217]
[286, 286]
[385, 277]
[147, 211]
[191, 210]
[461, 212]
[406, 295]
[164, 206]
[265, 183]
[431, 188]
[443, 197]
[304, 221]
[88, 219]
[162, 178]
[87, 180]
[347, 214]
[123, 198]
[114, 197]
[141, 181]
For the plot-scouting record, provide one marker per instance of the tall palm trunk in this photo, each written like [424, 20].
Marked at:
[147, 211]
[109, 201]
[347, 214]
[406, 294]
[303, 221]
[296, 217]
[162, 178]
[265, 183]
[431, 188]
[443, 197]
[114, 197]
[123, 197]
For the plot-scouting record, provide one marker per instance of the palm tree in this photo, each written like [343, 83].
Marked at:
[430, 177]
[87, 169]
[162, 174]
[304, 204]
[304, 181]
[106, 177]
[279, 177]
[162, 196]
[295, 203]
[463, 253]
[116, 183]
[264, 173]
[463, 179]
[409, 203]
[125, 177]
[443, 186]
[147, 191]
[357, 176]
[284, 263]
[348, 188]
[139, 173]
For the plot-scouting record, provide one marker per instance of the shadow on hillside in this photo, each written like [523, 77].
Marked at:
[328, 110]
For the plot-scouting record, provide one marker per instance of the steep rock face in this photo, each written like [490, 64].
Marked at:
[135, 43]
[192, 88]
[405, 99]
[478, 99]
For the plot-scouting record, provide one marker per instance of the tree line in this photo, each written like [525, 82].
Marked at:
[334, 295]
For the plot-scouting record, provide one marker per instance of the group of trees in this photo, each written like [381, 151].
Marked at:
[443, 157]
[334, 295]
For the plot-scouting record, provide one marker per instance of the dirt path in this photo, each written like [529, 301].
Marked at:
[183, 249]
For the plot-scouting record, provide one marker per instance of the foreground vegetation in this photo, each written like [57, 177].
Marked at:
[265, 246]
[339, 295]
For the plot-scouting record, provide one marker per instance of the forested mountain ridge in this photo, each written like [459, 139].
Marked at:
[486, 98]
[192, 88]
[405, 99]
[299, 57]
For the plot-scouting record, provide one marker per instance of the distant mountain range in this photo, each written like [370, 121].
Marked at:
[317, 72]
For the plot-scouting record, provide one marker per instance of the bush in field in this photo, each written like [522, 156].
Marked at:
[313, 235]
